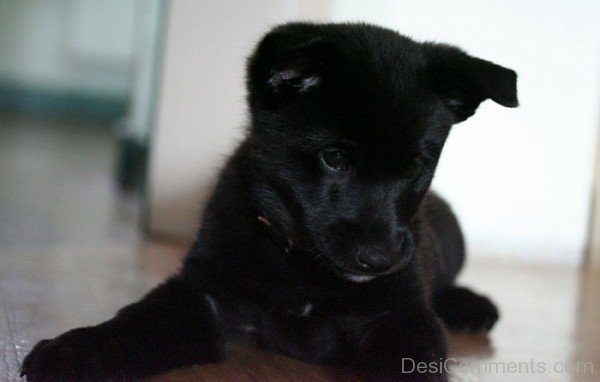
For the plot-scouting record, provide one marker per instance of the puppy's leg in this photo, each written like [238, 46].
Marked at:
[403, 345]
[463, 310]
[172, 326]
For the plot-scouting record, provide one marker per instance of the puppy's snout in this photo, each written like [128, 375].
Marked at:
[374, 262]
[377, 259]
[374, 248]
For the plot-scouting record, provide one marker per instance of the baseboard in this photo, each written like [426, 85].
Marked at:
[61, 103]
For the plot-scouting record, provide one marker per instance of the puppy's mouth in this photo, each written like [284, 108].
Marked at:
[353, 276]
[356, 278]
[359, 277]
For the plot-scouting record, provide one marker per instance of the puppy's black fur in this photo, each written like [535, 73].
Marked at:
[321, 240]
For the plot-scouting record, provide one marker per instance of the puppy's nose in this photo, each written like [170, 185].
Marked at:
[374, 261]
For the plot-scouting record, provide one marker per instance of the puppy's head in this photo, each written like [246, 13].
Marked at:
[348, 123]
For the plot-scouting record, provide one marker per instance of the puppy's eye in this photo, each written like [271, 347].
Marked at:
[336, 159]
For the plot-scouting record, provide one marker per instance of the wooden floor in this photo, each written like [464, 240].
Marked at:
[71, 254]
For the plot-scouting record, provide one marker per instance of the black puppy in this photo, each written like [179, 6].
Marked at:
[321, 240]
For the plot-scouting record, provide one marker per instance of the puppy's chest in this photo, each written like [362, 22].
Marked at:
[300, 309]
[298, 303]
[302, 304]
[330, 303]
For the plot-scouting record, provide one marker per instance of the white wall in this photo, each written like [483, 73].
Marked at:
[520, 180]
[68, 45]
[202, 111]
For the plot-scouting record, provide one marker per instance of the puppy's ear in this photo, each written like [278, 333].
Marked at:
[289, 62]
[464, 81]
[301, 69]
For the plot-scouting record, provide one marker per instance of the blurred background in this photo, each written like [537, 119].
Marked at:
[115, 116]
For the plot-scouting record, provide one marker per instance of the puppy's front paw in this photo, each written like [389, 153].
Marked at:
[404, 347]
[464, 310]
[78, 355]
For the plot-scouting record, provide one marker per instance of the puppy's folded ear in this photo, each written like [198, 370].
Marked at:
[289, 62]
[464, 82]
[300, 69]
